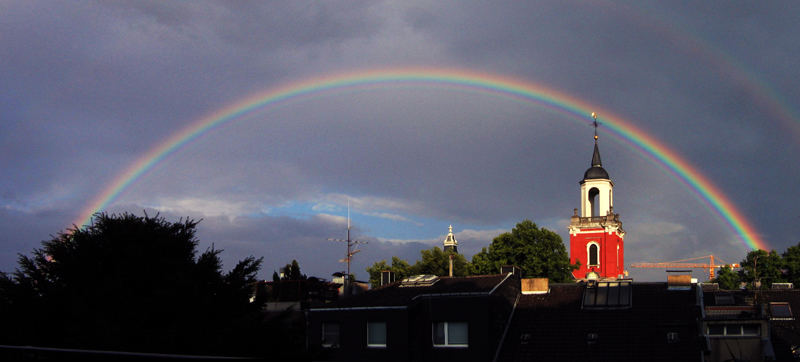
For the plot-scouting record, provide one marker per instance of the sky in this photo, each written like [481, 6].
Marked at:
[92, 89]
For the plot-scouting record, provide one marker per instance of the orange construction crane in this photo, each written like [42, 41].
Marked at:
[682, 264]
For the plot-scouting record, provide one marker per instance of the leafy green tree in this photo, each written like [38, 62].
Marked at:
[131, 283]
[433, 261]
[762, 266]
[436, 261]
[399, 267]
[727, 278]
[791, 263]
[538, 252]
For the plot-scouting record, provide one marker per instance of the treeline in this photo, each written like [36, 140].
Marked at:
[538, 252]
[759, 269]
[138, 284]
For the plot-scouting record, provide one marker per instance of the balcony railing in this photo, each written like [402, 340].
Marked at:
[595, 220]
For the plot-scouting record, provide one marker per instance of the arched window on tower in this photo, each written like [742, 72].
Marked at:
[594, 254]
[594, 203]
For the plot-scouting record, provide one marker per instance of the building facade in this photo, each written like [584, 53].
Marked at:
[422, 318]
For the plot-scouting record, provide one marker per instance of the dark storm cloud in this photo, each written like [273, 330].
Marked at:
[88, 87]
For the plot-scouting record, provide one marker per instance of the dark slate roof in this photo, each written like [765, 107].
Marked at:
[596, 171]
[395, 295]
[553, 327]
[785, 331]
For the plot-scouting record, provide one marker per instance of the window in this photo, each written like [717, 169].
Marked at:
[376, 334]
[750, 330]
[716, 330]
[330, 335]
[780, 311]
[672, 337]
[593, 253]
[607, 295]
[591, 338]
[593, 204]
[733, 330]
[450, 334]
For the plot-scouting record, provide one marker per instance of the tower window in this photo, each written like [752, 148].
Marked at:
[594, 205]
[594, 254]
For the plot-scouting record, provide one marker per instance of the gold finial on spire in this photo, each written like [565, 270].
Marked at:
[594, 117]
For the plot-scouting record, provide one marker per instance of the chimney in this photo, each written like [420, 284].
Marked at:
[535, 285]
[387, 277]
[679, 281]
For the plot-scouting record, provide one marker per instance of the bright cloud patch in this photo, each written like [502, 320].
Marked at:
[205, 207]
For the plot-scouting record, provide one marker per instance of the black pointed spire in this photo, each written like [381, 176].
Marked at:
[596, 156]
[596, 170]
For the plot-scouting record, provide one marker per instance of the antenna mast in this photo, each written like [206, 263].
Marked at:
[350, 245]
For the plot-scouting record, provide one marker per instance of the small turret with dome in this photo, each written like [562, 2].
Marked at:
[450, 242]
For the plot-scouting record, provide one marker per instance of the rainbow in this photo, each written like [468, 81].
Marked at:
[485, 83]
[726, 65]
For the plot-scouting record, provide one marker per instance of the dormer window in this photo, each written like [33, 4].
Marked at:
[607, 295]
[780, 311]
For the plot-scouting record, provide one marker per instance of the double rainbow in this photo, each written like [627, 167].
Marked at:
[484, 83]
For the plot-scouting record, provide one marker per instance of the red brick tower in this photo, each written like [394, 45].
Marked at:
[596, 235]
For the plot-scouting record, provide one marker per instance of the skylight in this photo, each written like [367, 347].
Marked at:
[780, 310]
[607, 295]
[419, 281]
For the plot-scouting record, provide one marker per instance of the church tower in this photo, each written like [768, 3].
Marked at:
[450, 242]
[596, 235]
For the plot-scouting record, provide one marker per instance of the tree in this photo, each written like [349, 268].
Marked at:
[762, 266]
[791, 262]
[433, 261]
[436, 261]
[131, 283]
[399, 267]
[538, 252]
[292, 271]
[727, 278]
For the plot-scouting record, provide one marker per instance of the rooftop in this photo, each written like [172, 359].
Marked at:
[396, 294]
[555, 327]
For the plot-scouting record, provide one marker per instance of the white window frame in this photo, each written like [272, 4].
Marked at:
[729, 330]
[589, 253]
[447, 343]
[385, 335]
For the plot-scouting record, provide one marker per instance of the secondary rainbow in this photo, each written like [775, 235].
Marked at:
[469, 80]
